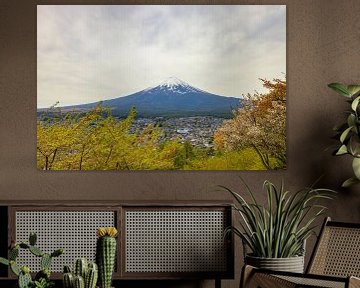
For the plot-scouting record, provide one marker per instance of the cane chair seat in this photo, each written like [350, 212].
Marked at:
[338, 253]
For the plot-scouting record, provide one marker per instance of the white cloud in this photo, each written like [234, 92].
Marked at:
[91, 53]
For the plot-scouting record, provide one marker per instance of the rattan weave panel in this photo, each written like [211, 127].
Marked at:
[338, 253]
[75, 231]
[306, 282]
[175, 241]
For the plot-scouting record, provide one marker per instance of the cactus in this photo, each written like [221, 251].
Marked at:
[67, 269]
[57, 253]
[91, 276]
[43, 274]
[105, 255]
[13, 253]
[68, 280]
[24, 245]
[32, 238]
[79, 282]
[45, 261]
[82, 270]
[14, 268]
[4, 261]
[36, 251]
[24, 278]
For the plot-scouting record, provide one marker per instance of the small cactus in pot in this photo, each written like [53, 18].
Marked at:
[106, 254]
[85, 275]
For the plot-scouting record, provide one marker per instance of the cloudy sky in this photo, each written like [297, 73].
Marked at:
[92, 53]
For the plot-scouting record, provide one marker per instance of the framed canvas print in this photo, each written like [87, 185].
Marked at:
[161, 87]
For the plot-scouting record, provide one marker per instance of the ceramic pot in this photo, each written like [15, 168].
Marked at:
[291, 264]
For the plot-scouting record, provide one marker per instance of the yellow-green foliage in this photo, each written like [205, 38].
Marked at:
[96, 140]
[246, 159]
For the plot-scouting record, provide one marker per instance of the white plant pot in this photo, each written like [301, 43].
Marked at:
[291, 264]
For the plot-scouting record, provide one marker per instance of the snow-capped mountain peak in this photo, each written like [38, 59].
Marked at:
[171, 98]
[175, 85]
[172, 82]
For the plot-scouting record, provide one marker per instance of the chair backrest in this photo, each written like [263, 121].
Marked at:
[337, 251]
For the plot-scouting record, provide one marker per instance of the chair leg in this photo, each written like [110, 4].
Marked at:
[246, 274]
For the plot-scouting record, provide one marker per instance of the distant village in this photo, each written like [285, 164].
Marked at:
[198, 130]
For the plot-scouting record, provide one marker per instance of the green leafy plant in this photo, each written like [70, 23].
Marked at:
[279, 229]
[43, 283]
[349, 132]
[42, 278]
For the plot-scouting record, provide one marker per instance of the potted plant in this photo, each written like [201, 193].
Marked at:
[276, 233]
[42, 278]
[84, 274]
[106, 254]
[349, 132]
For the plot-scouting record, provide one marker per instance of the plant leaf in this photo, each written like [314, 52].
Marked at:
[355, 103]
[345, 134]
[353, 89]
[354, 145]
[340, 88]
[356, 167]
[342, 150]
[14, 268]
[349, 182]
[351, 119]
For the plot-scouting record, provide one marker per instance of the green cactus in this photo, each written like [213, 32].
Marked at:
[25, 269]
[32, 238]
[67, 269]
[42, 278]
[43, 274]
[14, 268]
[24, 280]
[79, 282]
[105, 255]
[80, 267]
[13, 253]
[24, 245]
[57, 252]
[87, 272]
[91, 276]
[45, 261]
[36, 251]
[4, 261]
[68, 280]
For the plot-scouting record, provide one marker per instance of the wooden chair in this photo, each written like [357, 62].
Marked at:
[335, 262]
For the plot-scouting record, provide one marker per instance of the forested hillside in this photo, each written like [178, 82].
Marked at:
[253, 139]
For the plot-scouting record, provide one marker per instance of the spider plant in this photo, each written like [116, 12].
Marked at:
[280, 229]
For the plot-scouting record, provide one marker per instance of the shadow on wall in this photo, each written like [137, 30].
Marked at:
[331, 170]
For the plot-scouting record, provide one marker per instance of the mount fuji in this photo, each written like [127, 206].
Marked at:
[171, 98]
